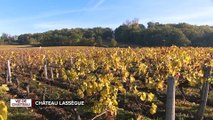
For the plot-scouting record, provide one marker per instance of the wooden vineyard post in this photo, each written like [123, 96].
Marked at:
[70, 83]
[170, 99]
[9, 76]
[51, 72]
[28, 89]
[52, 79]
[78, 117]
[44, 93]
[16, 82]
[45, 68]
[204, 94]
[71, 61]
[57, 73]
[31, 74]
[6, 78]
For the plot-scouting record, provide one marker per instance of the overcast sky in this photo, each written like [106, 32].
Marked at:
[31, 16]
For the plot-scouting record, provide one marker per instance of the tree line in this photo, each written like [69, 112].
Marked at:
[130, 33]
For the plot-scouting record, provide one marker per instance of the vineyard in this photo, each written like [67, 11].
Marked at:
[114, 83]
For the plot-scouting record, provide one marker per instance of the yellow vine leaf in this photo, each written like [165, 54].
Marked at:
[160, 85]
[3, 89]
[143, 96]
[153, 109]
[150, 97]
[3, 110]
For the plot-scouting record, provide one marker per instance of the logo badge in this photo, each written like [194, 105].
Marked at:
[20, 102]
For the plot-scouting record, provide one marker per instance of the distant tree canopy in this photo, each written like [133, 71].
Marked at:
[129, 33]
[157, 34]
[164, 36]
[93, 37]
[7, 39]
